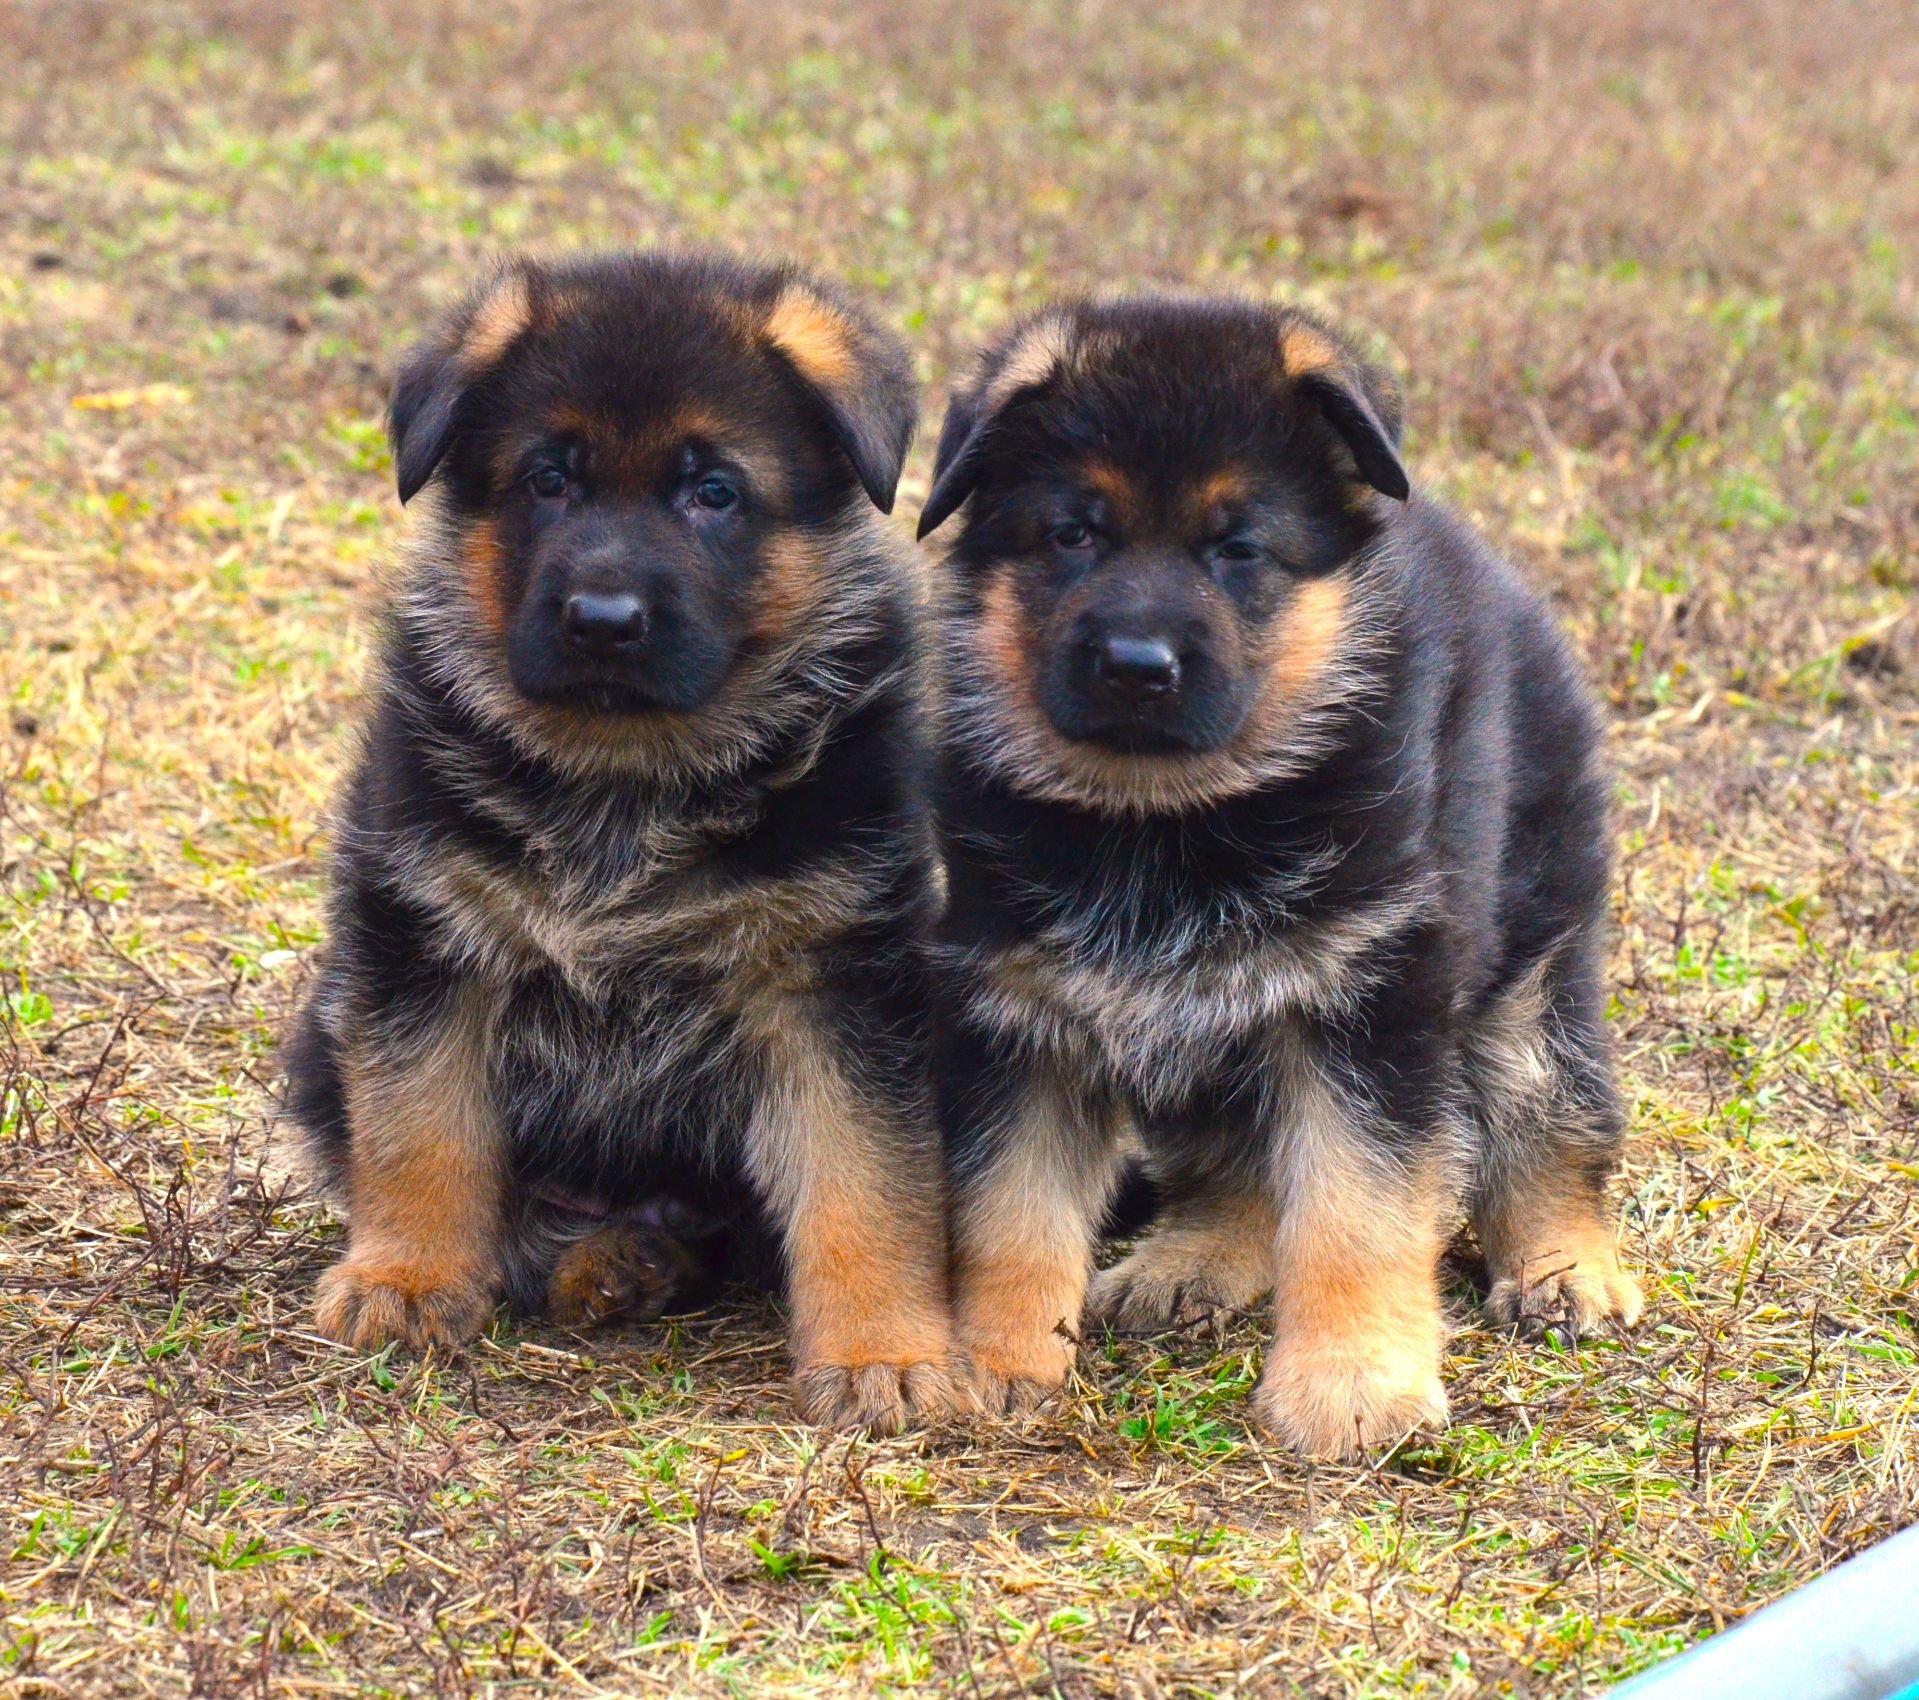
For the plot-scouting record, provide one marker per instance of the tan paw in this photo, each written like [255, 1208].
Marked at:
[367, 1305]
[882, 1398]
[625, 1271]
[1004, 1395]
[1010, 1383]
[1135, 1297]
[1578, 1297]
[1337, 1404]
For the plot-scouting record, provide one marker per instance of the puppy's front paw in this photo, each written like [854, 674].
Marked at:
[1012, 1378]
[881, 1398]
[1335, 1402]
[365, 1305]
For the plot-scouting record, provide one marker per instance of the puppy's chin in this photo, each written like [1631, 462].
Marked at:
[682, 677]
[1132, 737]
[616, 696]
[1187, 731]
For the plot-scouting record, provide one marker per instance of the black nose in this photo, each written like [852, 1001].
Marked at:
[1136, 670]
[604, 622]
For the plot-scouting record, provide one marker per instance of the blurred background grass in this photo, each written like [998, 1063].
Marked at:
[1647, 273]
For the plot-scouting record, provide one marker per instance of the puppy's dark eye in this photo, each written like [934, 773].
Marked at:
[715, 493]
[548, 481]
[1071, 536]
[1237, 549]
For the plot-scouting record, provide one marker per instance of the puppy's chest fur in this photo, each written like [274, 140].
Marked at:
[636, 965]
[1163, 1013]
[606, 912]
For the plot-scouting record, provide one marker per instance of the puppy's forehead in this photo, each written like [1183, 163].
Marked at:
[1158, 346]
[641, 448]
[637, 376]
[626, 352]
[1202, 493]
[1160, 393]
[1172, 410]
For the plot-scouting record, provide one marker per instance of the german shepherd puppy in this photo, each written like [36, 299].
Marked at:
[634, 870]
[1277, 840]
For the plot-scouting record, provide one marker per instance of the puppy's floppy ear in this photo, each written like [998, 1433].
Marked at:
[861, 374]
[437, 373]
[419, 419]
[955, 462]
[1030, 358]
[1359, 401]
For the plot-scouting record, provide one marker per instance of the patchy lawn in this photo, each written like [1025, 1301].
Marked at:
[1649, 273]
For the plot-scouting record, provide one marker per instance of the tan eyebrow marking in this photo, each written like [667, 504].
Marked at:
[1111, 482]
[1228, 484]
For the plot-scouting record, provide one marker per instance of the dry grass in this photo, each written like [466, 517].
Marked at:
[1650, 270]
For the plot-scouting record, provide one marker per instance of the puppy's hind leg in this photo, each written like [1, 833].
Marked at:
[1550, 1127]
[1210, 1252]
[632, 1267]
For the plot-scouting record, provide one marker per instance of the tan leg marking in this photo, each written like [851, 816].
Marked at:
[1554, 1264]
[621, 1271]
[1024, 1236]
[1209, 1254]
[861, 1207]
[424, 1181]
[1358, 1330]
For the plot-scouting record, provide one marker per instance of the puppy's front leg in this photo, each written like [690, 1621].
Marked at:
[424, 1178]
[1358, 1330]
[854, 1182]
[1033, 1173]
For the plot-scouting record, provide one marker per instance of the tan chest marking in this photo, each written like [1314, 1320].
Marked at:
[1159, 1025]
[766, 930]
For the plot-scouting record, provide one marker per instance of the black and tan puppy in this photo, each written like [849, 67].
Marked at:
[1278, 853]
[633, 871]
